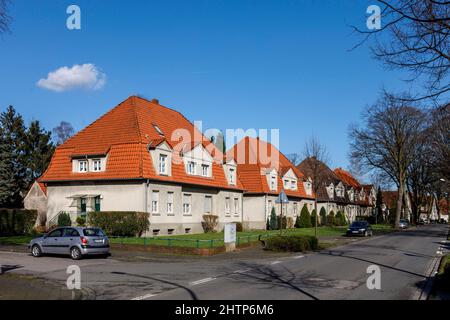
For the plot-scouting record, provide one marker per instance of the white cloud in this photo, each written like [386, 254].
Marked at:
[84, 76]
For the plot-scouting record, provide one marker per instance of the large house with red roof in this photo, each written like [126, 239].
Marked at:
[142, 156]
[264, 172]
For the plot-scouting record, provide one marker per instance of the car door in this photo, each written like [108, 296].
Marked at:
[69, 239]
[51, 243]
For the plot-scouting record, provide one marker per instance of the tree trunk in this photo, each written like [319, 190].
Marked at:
[399, 205]
[315, 222]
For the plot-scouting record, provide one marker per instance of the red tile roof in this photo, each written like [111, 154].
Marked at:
[124, 134]
[254, 157]
[43, 187]
[347, 178]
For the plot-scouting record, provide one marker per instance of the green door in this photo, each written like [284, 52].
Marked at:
[97, 204]
[83, 205]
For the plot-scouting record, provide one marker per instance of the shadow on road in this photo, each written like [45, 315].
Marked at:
[6, 267]
[191, 293]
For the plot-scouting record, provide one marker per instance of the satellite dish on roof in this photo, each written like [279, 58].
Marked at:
[282, 198]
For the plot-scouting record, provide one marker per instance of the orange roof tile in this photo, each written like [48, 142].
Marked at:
[253, 157]
[124, 134]
[347, 178]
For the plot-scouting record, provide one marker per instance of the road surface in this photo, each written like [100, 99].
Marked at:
[404, 258]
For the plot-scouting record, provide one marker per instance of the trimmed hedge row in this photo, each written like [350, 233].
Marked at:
[292, 243]
[120, 223]
[14, 222]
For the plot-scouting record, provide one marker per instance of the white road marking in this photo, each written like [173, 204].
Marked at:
[201, 281]
[276, 262]
[298, 257]
[145, 296]
[242, 270]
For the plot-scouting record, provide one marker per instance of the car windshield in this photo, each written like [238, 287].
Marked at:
[403, 221]
[93, 232]
[359, 224]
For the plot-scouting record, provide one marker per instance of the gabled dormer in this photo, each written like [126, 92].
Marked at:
[198, 161]
[330, 191]
[340, 190]
[307, 184]
[272, 179]
[351, 194]
[89, 163]
[230, 170]
[290, 180]
[161, 153]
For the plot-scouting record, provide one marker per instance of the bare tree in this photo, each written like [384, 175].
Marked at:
[63, 132]
[295, 158]
[415, 37]
[386, 141]
[319, 156]
[5, 19]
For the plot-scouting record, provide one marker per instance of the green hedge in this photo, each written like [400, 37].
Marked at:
[14, 222]
[292, 243]
[120, 223]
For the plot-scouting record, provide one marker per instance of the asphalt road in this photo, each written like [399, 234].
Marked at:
[404, 259]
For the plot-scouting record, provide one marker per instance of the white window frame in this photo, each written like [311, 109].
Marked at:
[208, 198]
[187, 205]
[236, 206]
[97, 165]
[205, 170]
[83, 164]
[293, 185]
[191, 165]
[273, 183]
[163, 163]
[170, 202]
[227, 205]
[155, 201]
[232, 174]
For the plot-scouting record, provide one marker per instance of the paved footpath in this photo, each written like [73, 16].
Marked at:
[405, 259]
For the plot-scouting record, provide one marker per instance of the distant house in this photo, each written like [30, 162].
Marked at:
[389, 205]
[142, 156]
[332, 193]
[36, 199]
[444, 209]
[264, 172]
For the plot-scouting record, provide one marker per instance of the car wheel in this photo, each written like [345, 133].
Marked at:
[75, 253]
[36, 251]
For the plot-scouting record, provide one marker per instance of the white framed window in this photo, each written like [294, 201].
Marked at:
[236, 205]
[273, 183]
[208, 204]
[191, 167]
[169, 202]
[155, 201]
[83, 166]
[97, 165]
[232, 173]
[293, 185]
[162, 164]
[227, 205]
[205, 170]
[286, 184]
[187, 203]
[295, 208]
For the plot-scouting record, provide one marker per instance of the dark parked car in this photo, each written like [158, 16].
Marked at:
[404, 224]
[360, 228]
[73, 241]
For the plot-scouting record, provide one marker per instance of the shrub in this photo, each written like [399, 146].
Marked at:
[292, 243]
[323, 216]
[297, 222]
[239, 226]
[81, 221]
[340, 219]
[120, 223]
[268, 224]
[64, 220]
[210, 222]
[305, 218]
[17, 221]
[330, 219]
[273, 220]
[313, 218]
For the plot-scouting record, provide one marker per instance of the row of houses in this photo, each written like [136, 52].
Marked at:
[142, 156]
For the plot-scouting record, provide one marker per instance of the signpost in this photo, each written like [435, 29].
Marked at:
[230, 236]
[282, 199]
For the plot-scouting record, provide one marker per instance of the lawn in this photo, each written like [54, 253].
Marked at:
[207, 240]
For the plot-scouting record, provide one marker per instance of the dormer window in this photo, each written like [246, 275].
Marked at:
[205, 170]
[273, 183]
[293, 185]
[232, 181]
[97, 165]
[83, 166]
[162, 164]
[191, 167]
[158, 130]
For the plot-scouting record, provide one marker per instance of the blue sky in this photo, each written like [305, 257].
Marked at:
[230, 63]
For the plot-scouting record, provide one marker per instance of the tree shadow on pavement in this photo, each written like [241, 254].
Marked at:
[6, 267]
[191, 293]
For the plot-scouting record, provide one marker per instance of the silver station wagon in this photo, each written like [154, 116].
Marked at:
[74, 241]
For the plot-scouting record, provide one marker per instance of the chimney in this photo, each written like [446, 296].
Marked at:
[154, 100]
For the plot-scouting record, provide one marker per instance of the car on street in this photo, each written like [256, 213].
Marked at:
[360, 228]
[404, 224]
[74, 241]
